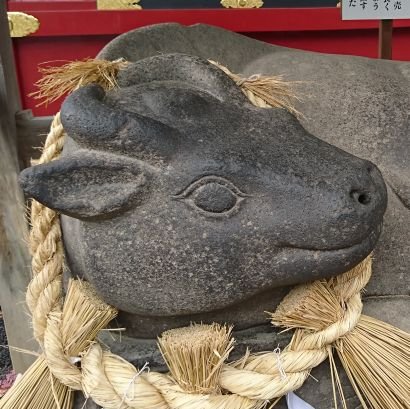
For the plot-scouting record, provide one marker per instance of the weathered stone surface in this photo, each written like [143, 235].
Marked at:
[181, 187]
[171, 133]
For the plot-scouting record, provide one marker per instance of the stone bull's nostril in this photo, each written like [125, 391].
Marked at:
[364, 198]
[368, 187]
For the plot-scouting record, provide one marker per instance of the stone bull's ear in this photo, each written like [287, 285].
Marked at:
[87, 184]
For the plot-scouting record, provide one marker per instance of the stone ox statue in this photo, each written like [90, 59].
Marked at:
[183, 202]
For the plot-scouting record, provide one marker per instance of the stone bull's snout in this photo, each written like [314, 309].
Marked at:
[359, 212]
[337, 200]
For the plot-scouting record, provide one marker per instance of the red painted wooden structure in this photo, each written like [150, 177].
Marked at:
[75, 29]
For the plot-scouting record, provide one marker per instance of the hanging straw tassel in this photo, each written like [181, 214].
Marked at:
[374, 354]
[376, 358]
[67, 334]
[38, 389]
[71, 333]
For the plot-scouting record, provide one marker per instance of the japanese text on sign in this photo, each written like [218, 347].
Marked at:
[375, 9]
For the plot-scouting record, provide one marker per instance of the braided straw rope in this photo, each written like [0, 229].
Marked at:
[114, 383]
[44, 291]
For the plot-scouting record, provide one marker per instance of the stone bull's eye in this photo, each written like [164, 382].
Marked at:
[213, 196]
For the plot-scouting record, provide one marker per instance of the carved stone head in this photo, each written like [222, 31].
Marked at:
[180, 199]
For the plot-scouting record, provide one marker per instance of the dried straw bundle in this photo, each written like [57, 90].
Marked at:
[266, 91]
[68, 333]
[262, 91]
[38, 388]
[375, 355]
[195, 355]
[376, 358]
[58, 81]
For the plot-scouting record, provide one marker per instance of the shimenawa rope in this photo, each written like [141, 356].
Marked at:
[114, 383]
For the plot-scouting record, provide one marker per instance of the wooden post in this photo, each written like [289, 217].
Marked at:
[14, 257]
[385, 39]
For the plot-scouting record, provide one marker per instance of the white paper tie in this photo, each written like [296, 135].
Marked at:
[294, 402]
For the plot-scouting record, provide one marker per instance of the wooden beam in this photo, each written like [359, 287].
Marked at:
[32, 132]
[14, 257]
[385, 39]
[9, 84]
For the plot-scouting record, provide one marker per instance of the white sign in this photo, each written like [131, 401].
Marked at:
[375, 9]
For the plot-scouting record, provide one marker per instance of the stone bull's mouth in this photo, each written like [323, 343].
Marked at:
[325, 263]
[251, 312]
[369, 240]
[365, 246]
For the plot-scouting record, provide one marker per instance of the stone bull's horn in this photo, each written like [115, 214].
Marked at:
[88, 118]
